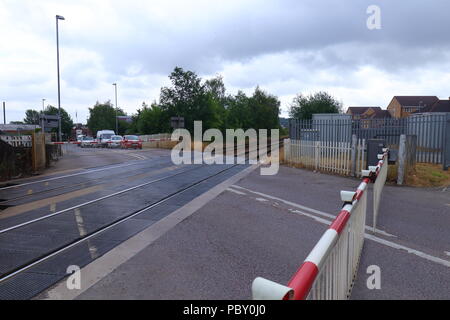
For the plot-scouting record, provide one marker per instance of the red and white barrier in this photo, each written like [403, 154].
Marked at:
[329, 270]
[64, 142]
[381, 171]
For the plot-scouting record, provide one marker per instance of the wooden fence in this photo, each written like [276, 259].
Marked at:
[18, 140]
[343, 158]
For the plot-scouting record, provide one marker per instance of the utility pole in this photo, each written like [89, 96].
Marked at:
[43, 116]
[4, 112]
[117, 121]
[59, 89]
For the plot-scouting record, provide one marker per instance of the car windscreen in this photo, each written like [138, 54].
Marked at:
[88, 138]
[131, 138]
[106, 136]
[116, 138]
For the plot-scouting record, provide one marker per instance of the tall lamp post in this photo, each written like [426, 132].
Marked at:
[59, 89]
[117, 121]
[43, 117]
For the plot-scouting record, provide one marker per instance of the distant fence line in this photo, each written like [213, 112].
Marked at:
[343, 158]
[432, 131]
[155, 137]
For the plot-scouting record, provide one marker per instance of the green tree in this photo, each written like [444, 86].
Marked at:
[265, 110]
[31, 117]
[238, 112]
[66, 120]
[189, 98]
[303, 107]
[260, 111]
[103, 117]
[152, 120]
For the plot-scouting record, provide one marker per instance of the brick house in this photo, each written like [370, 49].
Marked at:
[403, 106]
[367, 113]
[439, 106]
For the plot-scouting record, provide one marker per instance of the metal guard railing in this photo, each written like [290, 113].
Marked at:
[329, 271]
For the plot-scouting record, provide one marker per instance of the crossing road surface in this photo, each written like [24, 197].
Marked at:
[73, 216]
[266, 226]
[256, 226]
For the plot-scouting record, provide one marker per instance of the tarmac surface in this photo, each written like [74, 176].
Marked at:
[54, 221]
[266, 225]
[140, 227]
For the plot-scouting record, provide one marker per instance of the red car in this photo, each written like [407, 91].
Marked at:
[131, 142]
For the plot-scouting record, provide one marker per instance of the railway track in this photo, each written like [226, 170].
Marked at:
[24, 194]
[13, 275]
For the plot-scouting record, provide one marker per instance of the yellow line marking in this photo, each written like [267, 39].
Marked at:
[13, 211]
[80, 222]
[16, 210]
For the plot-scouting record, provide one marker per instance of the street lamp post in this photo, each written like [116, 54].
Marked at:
[59, 89]
[117, 121]
[43, 117]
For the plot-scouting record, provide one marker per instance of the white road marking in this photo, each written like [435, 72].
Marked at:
[261, 199]
[409, 250]
[140, 157]
[235, 191]
[292, 204]
[388, 243]
[296, 205]
[318, 219]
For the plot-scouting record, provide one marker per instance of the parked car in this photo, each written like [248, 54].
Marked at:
[87, 142]
[130, 141]
[79, 139]
[104, 137]
[116, 142]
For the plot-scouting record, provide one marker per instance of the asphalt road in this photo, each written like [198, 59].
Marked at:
[266, 226]
[260, 226]
[44, 219]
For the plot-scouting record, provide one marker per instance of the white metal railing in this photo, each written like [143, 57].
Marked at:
[18, 141]
[331, 156]
[338, 272]
[330, 269]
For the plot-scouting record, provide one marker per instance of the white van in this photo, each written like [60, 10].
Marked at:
[104, 137]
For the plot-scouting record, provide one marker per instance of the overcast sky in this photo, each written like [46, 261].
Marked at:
[285, 47]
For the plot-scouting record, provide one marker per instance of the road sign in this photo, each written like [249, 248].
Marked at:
[49, 120]
[177, 122]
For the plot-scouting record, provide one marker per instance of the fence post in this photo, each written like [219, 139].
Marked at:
[316, 155]
[287, 150]
[353, 159]
[401, 160]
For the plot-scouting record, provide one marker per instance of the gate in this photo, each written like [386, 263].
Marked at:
[446, 162]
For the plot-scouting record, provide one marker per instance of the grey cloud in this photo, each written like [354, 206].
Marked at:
[413, 27]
